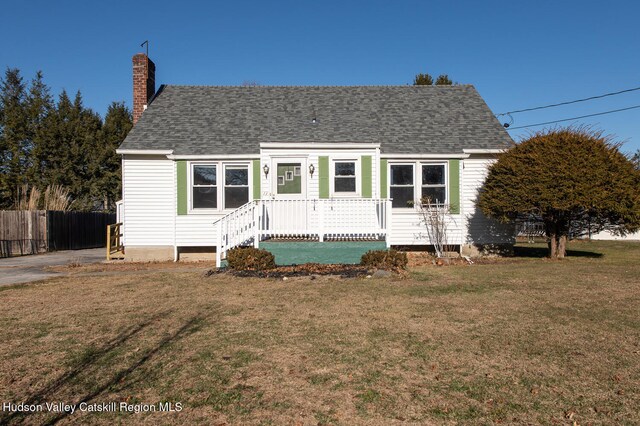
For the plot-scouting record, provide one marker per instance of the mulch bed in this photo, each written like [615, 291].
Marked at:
[352, 271]
[307, 269]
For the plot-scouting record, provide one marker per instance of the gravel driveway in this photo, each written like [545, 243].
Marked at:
[23, 269]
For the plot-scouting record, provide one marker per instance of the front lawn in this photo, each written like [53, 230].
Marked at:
[522, 341]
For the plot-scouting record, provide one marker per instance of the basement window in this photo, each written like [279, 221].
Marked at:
[205, 190]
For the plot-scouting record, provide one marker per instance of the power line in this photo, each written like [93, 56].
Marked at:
[576, 118]
[568, 102]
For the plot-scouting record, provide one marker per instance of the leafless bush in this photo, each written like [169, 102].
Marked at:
[435, 218]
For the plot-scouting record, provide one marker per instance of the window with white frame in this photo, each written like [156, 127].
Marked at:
[344, 177]
[401, 185]
[236, 186]
[204, 180]
[433, 183]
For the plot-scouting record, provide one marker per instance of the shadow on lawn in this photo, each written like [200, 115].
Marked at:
[539, 252]
[46, 393]
[191, 326]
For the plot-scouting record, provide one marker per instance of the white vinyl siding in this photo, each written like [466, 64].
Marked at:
[480, 229]
[406, 229]
[149, 200]
[196, 230]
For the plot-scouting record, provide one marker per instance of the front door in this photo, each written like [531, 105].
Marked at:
[289, 186]
[289, 180]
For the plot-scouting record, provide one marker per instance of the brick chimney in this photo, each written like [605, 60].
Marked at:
[144, 83]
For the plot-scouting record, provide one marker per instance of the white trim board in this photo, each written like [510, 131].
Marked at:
[423, 156]
[215, 157]
[319, 145]
[484, 151]
[144, 151]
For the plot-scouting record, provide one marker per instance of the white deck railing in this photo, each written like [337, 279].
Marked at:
[361, 218]
[237, 228]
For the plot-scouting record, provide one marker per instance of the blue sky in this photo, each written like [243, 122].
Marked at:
[517, 54]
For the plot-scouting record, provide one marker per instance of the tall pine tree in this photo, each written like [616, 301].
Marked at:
[72, 135]
[39, 105]
[117, 124]
[14, 146]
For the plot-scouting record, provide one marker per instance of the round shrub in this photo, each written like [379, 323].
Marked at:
[384, 259]
[250, 259]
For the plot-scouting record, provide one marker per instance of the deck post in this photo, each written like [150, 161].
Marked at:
[108, 242]
[321, 205]
[256, 224]
[387, 214]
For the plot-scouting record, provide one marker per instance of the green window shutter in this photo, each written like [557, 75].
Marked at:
[256, 179]
[454, 186]
[323, 176]
[181, 186]
[365, 168]
[383, 178]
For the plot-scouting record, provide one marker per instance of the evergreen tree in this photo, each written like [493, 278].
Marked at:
[39, 105]
[84, 155]
[14, 146]
[117, 124]
[46, 143]
[58, 132]
[443, 80]
[423, 80]
[73, 135]
[427, 80]
[573, 178]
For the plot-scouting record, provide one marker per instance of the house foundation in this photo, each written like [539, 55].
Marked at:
[478, 250]
[148, 253]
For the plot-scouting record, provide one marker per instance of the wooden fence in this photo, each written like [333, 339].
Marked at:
[30, 232]
[23, 232]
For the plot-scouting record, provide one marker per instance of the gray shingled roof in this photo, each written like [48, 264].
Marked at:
[235, 120]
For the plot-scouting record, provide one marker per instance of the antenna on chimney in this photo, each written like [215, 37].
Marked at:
[147, 43]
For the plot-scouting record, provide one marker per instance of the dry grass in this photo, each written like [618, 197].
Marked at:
[526, 342]
[55, 197]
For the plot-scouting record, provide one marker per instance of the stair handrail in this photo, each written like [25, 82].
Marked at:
[223, 243]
